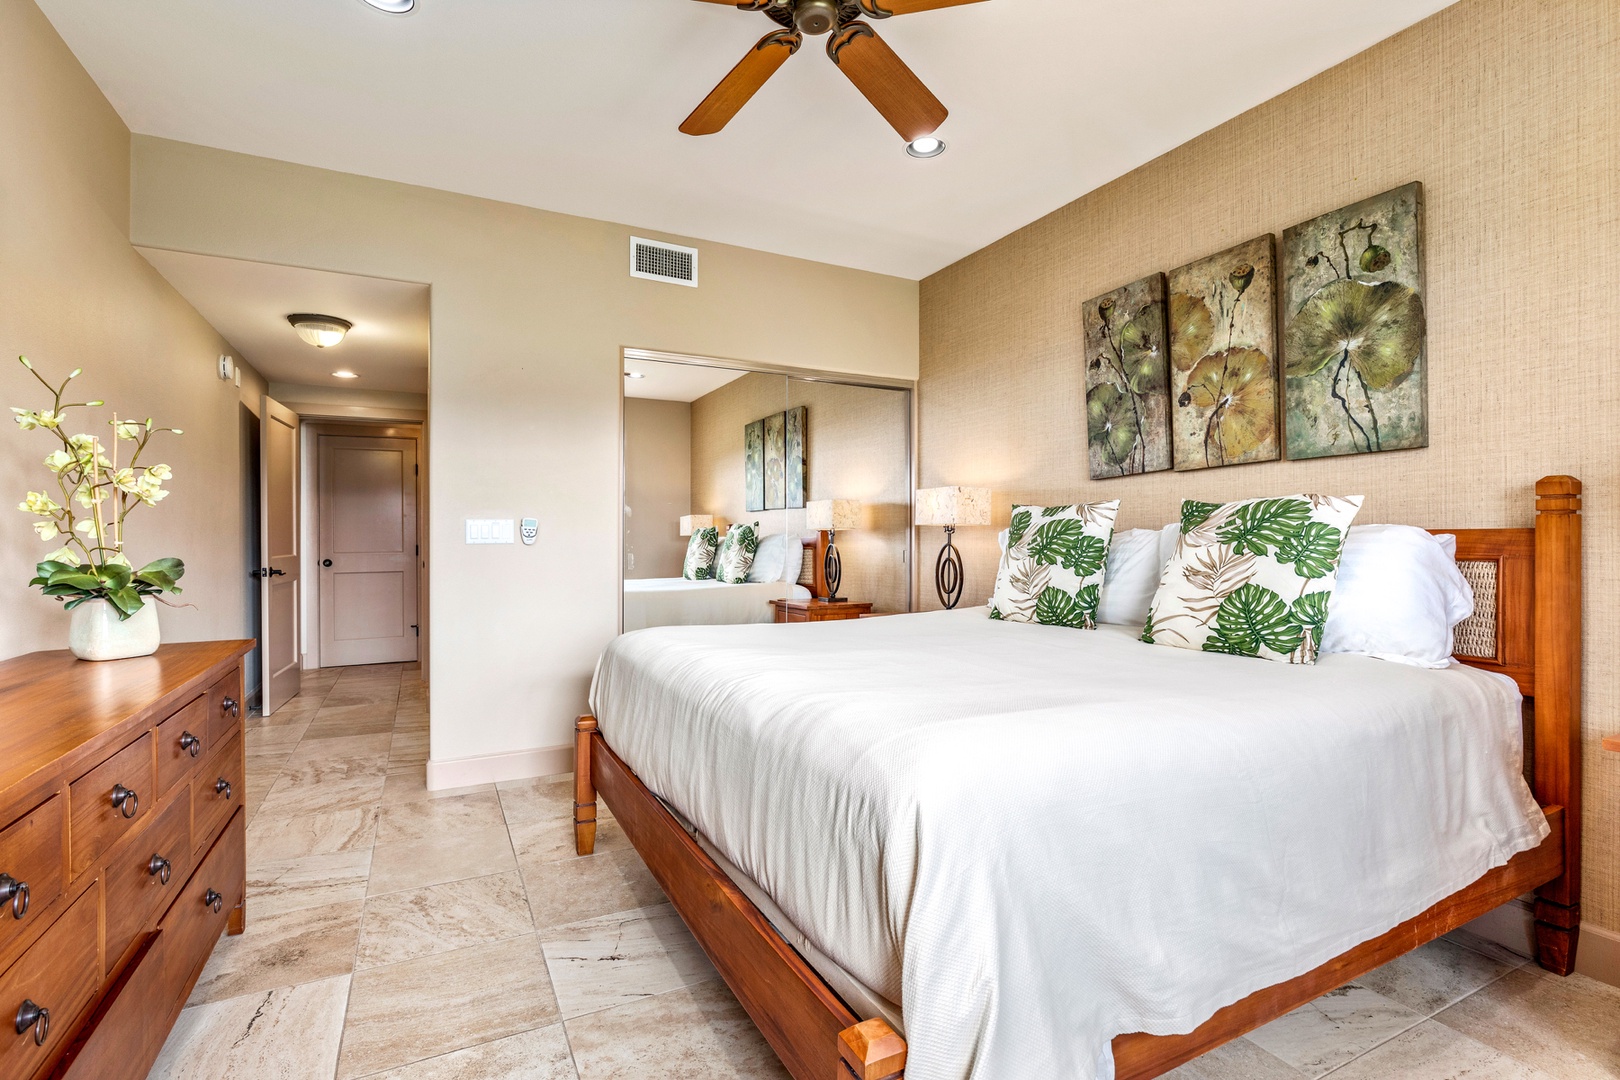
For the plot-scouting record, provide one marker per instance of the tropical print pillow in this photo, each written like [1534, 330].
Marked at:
[737, 553]
[1052, 569]
[1252, 578]
[700, 553]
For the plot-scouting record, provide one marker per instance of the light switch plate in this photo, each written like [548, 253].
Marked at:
[489, 531]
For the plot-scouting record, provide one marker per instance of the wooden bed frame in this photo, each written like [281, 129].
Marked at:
[1537, 577]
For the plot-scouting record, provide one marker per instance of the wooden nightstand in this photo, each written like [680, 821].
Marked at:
[813, 610]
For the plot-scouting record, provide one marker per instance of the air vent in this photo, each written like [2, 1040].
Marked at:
[663, 262]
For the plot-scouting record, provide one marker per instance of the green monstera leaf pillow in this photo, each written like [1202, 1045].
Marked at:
[1052, 571]
[1253, 578]
[737, 553]
[700, 554]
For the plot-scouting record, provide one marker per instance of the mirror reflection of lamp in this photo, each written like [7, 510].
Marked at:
[691, 523]
[950, 507]
[831, 515]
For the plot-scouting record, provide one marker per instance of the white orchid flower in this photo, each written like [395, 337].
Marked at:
[58, 460]
[128, 430]
[47, 530]
[39, 503]
[64, 555]
[124, 480]
[116, 559]
[87, 496]
[87, 527]
[162, 472]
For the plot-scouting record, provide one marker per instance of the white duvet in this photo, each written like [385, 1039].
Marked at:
[680, 602]
[1035, 838]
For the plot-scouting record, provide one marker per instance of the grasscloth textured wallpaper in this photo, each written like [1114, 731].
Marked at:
[1509, 112]
[856, 448]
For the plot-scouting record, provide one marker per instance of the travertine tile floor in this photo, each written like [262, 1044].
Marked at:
[401, 935]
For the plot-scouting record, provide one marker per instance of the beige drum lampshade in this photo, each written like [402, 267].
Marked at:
[836, 514]
[953, 506]
[691, 523]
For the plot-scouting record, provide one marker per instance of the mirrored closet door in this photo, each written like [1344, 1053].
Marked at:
[789, 467]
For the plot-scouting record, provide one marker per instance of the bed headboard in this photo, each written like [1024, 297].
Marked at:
[812, 570]
[1527, 625]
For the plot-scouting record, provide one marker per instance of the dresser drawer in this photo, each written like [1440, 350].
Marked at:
[58, 975]
[191, 926]
[30, 867]
[147, 873]
[184, 739]
[108, 802]
[128, 1028]
[216, 791]
[225, 706]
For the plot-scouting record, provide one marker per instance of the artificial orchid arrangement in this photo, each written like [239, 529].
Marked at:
[96, 496]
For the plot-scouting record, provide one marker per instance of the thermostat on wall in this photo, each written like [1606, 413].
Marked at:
[529, 530]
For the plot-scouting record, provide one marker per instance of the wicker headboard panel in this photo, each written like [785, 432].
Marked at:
[1500, 634]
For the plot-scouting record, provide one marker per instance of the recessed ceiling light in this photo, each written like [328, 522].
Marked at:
[925, 147]
[344, 375]
[634, 375]
[393, 7]
[321, 331]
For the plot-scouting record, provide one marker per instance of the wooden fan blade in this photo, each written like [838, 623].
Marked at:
[726, 99]
[883, 9]
[891, 87]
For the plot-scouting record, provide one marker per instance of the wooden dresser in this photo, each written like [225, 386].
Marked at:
[122, 851]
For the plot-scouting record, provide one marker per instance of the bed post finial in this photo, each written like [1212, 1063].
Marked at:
[584, 787]
[872, 1050]
[1558, 708]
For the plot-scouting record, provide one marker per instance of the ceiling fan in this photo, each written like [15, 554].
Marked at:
[891, 87]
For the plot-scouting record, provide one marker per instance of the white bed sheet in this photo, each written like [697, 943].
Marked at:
[679, 602]
[1034, 838]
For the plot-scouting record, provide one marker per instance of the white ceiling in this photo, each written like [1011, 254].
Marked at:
[572, 105]
[675, 382]
[248, 303]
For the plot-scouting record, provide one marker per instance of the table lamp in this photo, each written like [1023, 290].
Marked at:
[691, 523]
[950, 507]
[832, 515]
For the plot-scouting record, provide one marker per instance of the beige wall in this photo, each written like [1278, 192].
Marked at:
[1509, 112]
[76, 294]
[657, 486]
[530, 310]
[857, 447]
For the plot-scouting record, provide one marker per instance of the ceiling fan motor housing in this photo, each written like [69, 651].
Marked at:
[815, 16]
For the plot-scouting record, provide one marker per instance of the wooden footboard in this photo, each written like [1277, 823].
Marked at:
[818, 1037]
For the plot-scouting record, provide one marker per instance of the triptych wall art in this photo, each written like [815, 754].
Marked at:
[1188, 370]
[773, 461]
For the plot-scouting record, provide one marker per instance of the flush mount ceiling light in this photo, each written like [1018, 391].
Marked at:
[925, 147]
[321, 331]
[393, 7]
[344, 374]
[634, 375]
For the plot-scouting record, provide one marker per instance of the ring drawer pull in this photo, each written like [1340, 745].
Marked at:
[215, 901]
[37, 1017]
[15, 891]
[222, 786]
[161, 868]
[230, 705]
[125, 801]
[190, 743]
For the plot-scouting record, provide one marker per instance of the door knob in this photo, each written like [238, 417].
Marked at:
[326, 562]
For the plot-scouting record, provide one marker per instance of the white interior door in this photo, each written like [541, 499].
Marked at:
[278, 545]
[368, 547]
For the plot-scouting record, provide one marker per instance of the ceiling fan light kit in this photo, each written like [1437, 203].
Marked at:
[864, 58]
[321, 331]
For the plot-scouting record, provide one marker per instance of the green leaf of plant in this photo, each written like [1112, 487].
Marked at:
[1065, 543]
[174, 568]
[1195, 513]
[1252, 617]
[1254, 527]
[1313, 551]
[127, 601]
[115, 575]
[1055, 607]
[1310, 612]
[78, 579]
[1020, 525]
[64, 590]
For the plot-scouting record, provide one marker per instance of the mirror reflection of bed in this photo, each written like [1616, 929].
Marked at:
[709, 447]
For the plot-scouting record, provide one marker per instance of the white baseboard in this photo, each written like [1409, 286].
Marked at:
[1512, 926]
[493, 768]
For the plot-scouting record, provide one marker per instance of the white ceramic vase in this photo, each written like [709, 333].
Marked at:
[97, 633]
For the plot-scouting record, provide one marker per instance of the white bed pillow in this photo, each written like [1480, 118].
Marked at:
[1399, 595]
[770, 561]
[1134, 569]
